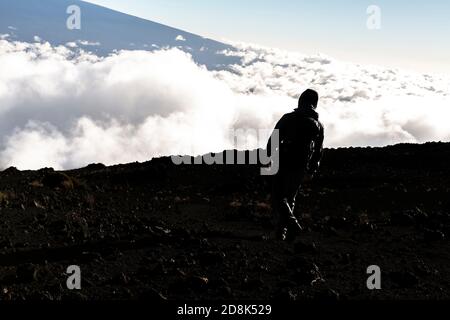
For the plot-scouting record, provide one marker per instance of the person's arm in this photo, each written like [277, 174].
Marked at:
[269, 146]
[317, 154]
[269, 143]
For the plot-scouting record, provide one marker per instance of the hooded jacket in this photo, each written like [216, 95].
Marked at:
[301, 140]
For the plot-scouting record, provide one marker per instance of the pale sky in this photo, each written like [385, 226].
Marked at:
[413, 35]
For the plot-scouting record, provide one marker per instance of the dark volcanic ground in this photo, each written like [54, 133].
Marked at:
[160, 231]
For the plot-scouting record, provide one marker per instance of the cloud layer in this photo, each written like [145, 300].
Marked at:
[65, 108]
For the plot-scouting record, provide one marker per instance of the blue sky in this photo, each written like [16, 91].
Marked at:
[414, 34]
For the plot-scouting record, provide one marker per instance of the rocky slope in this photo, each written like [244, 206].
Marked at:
[159, 231]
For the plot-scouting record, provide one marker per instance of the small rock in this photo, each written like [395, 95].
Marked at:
[433, 235]
[421, 217]
[305, 272]
[189, 284]
[152, 295]
[327, 294]
[285, 295]
[331, 231]
[252, 284]
[339, 222]
[198, 282]
[121, 279]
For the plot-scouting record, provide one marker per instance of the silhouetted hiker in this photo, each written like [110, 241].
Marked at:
[301, 138]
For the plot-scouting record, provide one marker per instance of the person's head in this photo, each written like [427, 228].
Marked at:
[308, 99]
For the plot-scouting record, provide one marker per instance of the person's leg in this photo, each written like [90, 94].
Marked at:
[285, 189]
[280, 213]
[294, 199]
[294, 228]
[281, 222]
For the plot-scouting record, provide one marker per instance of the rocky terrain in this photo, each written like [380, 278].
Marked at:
[158, 231]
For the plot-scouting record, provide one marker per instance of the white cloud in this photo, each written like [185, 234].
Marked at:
[71, 45]
[360, 105]
[180, 38]
[88, 43]
[67, 110]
